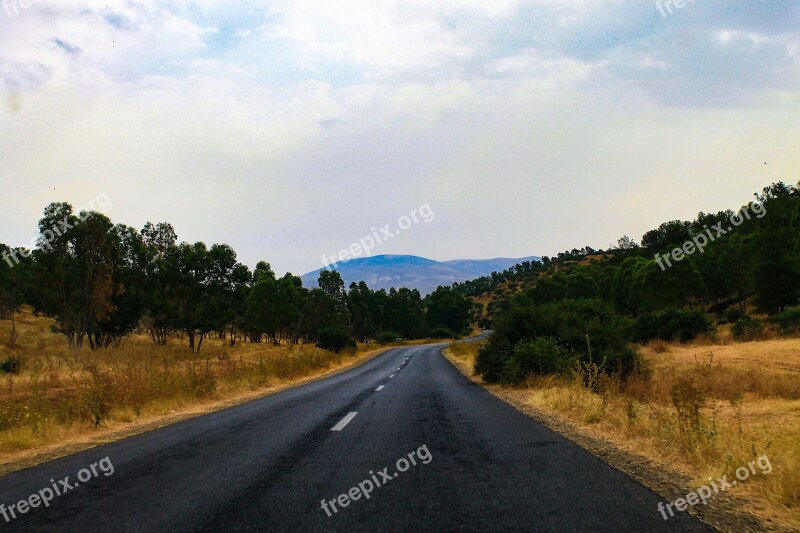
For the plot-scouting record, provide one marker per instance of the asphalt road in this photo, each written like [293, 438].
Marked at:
[477, 465]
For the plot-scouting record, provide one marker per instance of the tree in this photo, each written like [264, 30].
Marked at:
[75, 266]
[13, 282]
[365, 316]
[159, 238]
[776, 248]
[211, 281]
[187, 274]
[326, 308]
[128, 299]
[404, 312]
[446, 308]
[667, 235]
[626, 243]
[160, 281]
[331, 283]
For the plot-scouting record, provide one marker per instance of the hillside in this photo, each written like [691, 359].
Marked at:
[386, 271]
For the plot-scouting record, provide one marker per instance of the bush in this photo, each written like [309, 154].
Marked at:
[550, 338]
[540, 356]
[12, 365]
[789, 321]
[733, 314]
[670, 325]
[334, 340]
[747, 329]
[387, 337]
[689, 398]
[441, 332]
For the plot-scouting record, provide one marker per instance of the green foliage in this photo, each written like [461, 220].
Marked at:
[442, 332]
[789, 321]
[11, 365]
[387, 337]
[669, 325]
[776, 250]
[733, 314]
[527, 270]
[335, 340]
[747, 328]
[582, 330]
[402, 311]
[448, 309]
[668, 235]
[754, 258]
[540, 356]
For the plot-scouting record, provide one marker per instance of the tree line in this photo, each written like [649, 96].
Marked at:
[746, 262]
[102, 282]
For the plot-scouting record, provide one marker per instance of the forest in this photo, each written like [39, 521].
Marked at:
[586, 305]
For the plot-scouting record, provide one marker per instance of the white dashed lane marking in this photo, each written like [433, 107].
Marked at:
[344, 421]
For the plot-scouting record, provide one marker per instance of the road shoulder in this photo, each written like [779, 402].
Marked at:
[722, 513]
[37, 456]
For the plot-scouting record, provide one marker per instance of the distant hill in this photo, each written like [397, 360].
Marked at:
[386, 271]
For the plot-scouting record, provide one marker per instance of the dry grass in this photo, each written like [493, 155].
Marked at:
[61, 396]
[701, 410]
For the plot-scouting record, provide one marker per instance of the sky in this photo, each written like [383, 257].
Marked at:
[293, 129]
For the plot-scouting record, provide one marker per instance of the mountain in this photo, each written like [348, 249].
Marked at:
[386, 271]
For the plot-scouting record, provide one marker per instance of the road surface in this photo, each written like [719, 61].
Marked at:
[469, 462]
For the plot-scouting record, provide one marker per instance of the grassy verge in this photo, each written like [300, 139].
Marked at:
[699, 411]
[61, 402]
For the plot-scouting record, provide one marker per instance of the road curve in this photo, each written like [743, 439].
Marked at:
[480, 465]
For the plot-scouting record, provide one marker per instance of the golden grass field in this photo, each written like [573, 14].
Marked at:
[63, 400]
[747, 400]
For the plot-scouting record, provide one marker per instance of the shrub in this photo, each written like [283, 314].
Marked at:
[549, 338]
[689, 398]
[789, 321]
[491, 359]
[747, 328]
[669, 325]
[97, 392]
[540, 356]
[334, 340]
[733, 314]
[386, 337]
[12, 365]
[441, 332]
